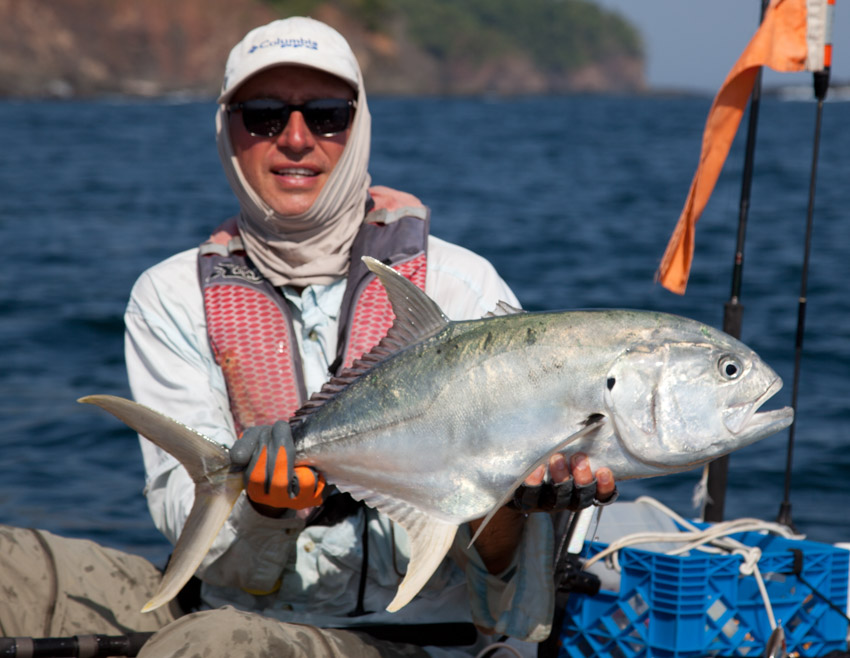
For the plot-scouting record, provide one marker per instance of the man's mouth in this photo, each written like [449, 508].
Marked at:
[295, 171]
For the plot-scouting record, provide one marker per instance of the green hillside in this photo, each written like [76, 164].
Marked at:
[405, 47]
[558, 35]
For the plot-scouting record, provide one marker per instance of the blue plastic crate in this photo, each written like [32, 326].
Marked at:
[701, 605]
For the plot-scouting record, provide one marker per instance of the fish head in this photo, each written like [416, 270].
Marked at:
[676, 404]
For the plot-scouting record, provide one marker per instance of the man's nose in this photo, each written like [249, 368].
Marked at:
[296, 135]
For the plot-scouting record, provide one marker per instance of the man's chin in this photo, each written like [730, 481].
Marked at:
[293, 202]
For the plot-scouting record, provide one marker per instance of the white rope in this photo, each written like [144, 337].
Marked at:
[750, 565]
[713, 539]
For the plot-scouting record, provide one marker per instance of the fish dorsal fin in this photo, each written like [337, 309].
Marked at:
[430, 539]
[503, 308]
[572, 438]
[417, 317]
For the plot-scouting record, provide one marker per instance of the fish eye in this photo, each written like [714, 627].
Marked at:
[730, 367]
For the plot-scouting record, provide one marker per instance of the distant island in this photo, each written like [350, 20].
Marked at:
[150, 48]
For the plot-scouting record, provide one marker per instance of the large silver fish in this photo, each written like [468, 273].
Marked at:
[444, 420]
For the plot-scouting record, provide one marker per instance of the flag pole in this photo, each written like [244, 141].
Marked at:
[733, 310]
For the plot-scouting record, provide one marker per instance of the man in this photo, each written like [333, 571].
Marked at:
[232, 337]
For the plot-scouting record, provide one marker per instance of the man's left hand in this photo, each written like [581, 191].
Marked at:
[273, 484]
[501, 537]
[568, 488]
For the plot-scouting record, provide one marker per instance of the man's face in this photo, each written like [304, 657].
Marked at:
[288, 170]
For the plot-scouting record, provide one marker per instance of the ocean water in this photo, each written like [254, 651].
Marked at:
[573, 199]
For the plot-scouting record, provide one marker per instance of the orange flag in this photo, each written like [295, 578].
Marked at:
[792, 37]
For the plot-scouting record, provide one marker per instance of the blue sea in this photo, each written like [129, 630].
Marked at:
[572, 198]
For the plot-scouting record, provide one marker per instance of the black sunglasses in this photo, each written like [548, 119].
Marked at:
[267, 117]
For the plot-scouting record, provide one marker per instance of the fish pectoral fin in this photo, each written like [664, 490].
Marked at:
[430, 540]
[212, 506]
[584, 431]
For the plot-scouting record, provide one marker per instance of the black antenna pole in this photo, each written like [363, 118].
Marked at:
[821, 85]
[733, 310]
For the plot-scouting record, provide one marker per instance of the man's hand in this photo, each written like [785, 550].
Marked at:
[275, 485]
[499, 539]
[562, 492]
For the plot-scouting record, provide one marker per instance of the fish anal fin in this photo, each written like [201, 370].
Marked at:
[428, 548]
[430, 540]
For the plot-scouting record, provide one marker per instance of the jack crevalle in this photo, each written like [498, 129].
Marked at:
[443, 420]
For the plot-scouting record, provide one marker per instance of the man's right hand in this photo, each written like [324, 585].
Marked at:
[275, 483]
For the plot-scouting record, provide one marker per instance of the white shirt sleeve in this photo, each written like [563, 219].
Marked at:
[464, 285]
[171, 368]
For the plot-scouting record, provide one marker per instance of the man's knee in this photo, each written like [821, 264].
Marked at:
[220, 632]
[57, 586]
[230, 632]
[29, 583]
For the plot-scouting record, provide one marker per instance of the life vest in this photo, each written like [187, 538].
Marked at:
[249, 323]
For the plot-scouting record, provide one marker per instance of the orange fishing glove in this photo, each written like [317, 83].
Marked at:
[279, 483]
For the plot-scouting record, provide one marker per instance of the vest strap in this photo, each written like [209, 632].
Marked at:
[249, 322]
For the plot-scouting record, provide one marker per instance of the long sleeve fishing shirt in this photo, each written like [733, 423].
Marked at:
[277, 566]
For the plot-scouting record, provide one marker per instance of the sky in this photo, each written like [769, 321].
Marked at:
[692, 44]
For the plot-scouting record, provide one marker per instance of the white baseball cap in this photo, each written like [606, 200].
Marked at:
[297, 40]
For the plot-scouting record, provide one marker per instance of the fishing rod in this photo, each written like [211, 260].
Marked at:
[78, 646]
[733, 310]
[821, 86]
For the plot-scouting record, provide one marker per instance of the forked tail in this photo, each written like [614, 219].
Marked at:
[217, 486]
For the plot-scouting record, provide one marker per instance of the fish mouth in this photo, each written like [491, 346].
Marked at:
[750, 425]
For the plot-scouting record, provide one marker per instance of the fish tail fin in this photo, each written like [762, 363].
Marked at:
[213, 502]
[216, 486]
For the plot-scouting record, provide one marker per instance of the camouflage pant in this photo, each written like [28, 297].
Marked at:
[57, 587]
[250, 635]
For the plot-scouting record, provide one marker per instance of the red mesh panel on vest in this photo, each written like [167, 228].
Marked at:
[373, 315]
[258, 362]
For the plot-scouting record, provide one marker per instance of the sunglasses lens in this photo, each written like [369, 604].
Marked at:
[327, 117]
[265, 117]
[268, 117]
